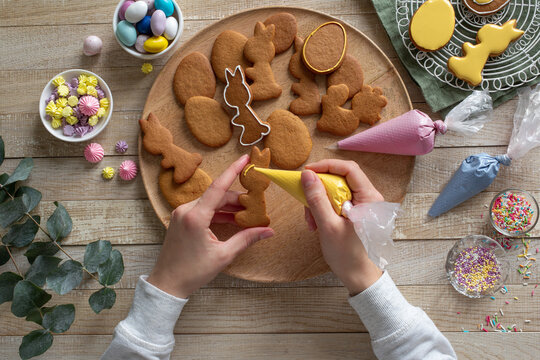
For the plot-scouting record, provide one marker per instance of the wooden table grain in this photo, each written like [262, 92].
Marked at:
[231, 318]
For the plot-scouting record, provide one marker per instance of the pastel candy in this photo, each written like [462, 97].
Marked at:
[158, 22]
[171, 28]
[136, 12]
[126, 33]
[123, 8]
[139, 44]
[150, 4]
[155, 44]
[143, 26]
[164, 5]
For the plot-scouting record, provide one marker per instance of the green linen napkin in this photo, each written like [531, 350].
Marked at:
[439, 95]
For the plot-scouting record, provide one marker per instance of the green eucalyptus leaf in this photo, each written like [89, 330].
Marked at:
[41, 268]
[34, 197]
[111, 271]
[27, 297]
[36, 315]
[35, 343]
[2, 151]
[9, 188]
[66, 277]
[12, 210]
[59, 319]
[96, 253]
[4, 255]
[21, 235]
[8, 281]
[40, 248]
[22, 171]
[59, 224]
[102, 299]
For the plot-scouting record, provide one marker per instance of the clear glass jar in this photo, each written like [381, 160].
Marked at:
[511, 230]
[480, 241]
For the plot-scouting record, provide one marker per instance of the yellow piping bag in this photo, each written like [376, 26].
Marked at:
[336, 186]
[373, 222]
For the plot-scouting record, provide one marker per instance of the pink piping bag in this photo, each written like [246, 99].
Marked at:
[413, 133]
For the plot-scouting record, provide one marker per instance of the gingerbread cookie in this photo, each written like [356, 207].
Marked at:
[325, 48]
[228, 52]
[492, 40]
[432, 25]
[194, 77]
[485, 7]
[349, 73]
[335, 119]
[368, 104]
[179, 194]
[309, 100]
[255, 183]
[259, 49]
[208, 121]
[289, 142]
[158, 140]
[286, 29]
[237, 95]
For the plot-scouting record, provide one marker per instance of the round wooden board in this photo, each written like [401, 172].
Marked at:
[294, 253]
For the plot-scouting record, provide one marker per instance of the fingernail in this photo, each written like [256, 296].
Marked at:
[266, 234]
[243, 157]
[308, 177]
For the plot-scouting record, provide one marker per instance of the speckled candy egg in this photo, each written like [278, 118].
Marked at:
[143, 26]
[155, 44]
[164, 5]
[158, 22]
[139, 44]
[171, 28]
[126, 33]
[123, 8]
[92, 45]
[136, 12]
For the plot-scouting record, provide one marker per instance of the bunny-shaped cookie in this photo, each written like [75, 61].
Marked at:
[255, 183]
[260, 50]
[237, 95]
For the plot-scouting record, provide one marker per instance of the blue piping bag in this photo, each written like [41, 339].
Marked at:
[478, 171]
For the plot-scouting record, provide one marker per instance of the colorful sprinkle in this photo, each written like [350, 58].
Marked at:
[512, 213]
[477, 270]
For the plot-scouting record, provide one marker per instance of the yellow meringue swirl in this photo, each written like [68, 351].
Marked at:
[93, 120]
[59, 80]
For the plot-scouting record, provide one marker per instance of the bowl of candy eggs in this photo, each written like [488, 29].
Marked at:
[76, 105]
[147, 29]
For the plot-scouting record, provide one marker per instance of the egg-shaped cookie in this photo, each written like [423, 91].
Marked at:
[228, 52]
[325, 48]
[289, 140]
[179, 194]
[208, 121]
[194, 77]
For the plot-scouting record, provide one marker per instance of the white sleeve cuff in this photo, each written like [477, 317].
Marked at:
[383, 309]
[152, 317]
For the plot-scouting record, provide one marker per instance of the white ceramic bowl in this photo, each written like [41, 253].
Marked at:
[58, 133]
[131, 50]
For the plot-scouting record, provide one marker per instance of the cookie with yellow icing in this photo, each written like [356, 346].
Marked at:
[432, 25]
[485, 7]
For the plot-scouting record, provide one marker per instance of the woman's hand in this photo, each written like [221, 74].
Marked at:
[341, 247]
[192, 255]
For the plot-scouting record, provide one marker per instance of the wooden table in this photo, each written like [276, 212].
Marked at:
[231, 318]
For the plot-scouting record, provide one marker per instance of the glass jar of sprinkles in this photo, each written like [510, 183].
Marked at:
[513, 212]
[476, 266]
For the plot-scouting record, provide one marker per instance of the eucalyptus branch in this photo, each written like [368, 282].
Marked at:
[49, 236]
[14, 263]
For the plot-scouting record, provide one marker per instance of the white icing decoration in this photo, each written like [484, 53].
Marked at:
[239, 69]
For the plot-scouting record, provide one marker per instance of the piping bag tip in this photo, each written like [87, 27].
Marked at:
[333, 147]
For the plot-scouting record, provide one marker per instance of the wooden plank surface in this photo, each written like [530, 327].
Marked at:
[354, 346]
[120, 212]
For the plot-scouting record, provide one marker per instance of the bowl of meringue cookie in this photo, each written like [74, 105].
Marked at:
[76, 105]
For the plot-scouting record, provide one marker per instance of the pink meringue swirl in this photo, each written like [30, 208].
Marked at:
[128, 170]
[94, 152]
[89, 105]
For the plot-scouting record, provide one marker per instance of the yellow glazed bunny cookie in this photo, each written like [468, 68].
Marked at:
[491, 40]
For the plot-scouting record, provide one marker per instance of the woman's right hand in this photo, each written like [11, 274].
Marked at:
[341, 247]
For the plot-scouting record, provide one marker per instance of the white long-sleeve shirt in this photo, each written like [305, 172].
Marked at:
[398, 330]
